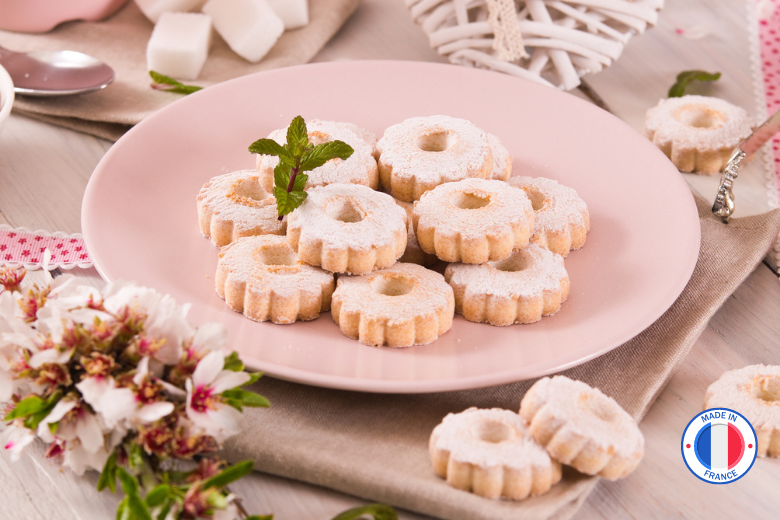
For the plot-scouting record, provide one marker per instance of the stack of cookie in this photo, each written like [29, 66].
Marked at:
[362, 253]
[497, 453]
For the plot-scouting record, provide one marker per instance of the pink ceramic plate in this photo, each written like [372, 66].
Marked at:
[140, 220]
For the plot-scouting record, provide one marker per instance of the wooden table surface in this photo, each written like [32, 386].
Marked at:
[44, 171]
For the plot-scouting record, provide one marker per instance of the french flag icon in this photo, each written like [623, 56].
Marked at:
[719, 446]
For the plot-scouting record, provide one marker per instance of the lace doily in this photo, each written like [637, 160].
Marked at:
[554, 42]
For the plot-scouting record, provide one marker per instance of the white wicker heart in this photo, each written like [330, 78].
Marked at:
[554, 42]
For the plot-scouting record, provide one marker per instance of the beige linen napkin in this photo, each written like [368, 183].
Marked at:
[120, 41]
[376, 446]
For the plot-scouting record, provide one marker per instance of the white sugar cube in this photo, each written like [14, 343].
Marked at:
[294, 13]
[179, 44]
[250, 27]
[152, 9]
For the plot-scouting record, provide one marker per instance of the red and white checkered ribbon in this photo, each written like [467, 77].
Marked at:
[20, 247]
[769, 36]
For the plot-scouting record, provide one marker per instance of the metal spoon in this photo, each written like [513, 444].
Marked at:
[55, 73]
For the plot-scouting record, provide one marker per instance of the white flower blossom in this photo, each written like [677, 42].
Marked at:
[211, 336]
[80, 424]
[165, 319]
[79, 459]
[120, 406]
[15, 439]
[203, 409]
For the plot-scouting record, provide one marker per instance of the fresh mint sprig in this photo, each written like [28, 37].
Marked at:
[296, 156]
[685, 77]
[168, 84]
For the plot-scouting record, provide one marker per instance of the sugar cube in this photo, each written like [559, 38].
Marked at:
[250, 27]
[294, 13]
[179, 44]
[152, 9]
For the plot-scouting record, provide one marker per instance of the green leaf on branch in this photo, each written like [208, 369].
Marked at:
[135, 458]
[229, 474]
[685, 77]
[258, 517]
[233, 362]
[323, 153]
[122, 511]
[375, 511]
[246, 398]
[138, 509]
[108, 475]
[168, 84]
[129, 482]
[217, 500]
[34, 409]
[28, 406]
[254, 377]
[158, 495]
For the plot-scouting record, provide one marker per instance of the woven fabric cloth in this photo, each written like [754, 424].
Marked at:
[376, 446]
[121, 42]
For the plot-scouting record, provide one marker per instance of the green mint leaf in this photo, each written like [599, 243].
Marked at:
[108, 475]
[233, 362]
[158, 495]
[289, 201]
[323, 153]
[129, 482]
[281, 176]
[138, 508]
[247, 398]
[168, 84]
[268, 147]
[685, 77]
[229, 474]
[300, 182]
[375, 511]
[297, 137]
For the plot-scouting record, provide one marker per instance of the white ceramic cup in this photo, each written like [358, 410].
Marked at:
[6, 96]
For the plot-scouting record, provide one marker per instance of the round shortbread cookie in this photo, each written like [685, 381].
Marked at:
[753, 391]
[359, 168]
[562, 219]
[698, 133]
[421, 153]
[580, 426]
[531, 283]
[502, 160]
[492, 454]
[235, 205]
[400, 306]
[473, 220]
[263, 278]
[348, 228]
